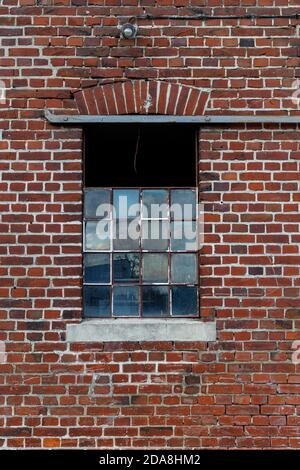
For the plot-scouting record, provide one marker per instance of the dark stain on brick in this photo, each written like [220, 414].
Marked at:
[255, 271]
[206, 176]
[247, 42]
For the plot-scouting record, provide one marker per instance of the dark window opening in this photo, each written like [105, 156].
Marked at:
[158, 155]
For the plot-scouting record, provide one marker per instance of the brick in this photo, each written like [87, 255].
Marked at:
[182, 100]
[120, 99]
[153, 96]
[129, 97]
[110, 99]
[245, 42]
[191, 102]
[172, 101]
[162, 97]
[100, 101]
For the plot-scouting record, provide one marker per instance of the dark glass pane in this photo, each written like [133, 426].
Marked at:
[155, 203]
[155, 235]
[96, 268]
[96, 301]
[126, 267]
[126, 301]
[183, 236]
[126, 203]
[97, 235]
[155, 301]
[96, 202]
[184, 300]
[155, 267]
[184, 268]
[183, 204]
[126, 235]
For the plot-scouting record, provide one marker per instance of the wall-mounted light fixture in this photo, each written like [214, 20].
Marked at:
[129, 31]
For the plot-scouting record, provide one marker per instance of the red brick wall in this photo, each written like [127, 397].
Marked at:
[242, 390]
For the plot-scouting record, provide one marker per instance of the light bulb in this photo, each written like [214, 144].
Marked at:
[128, 31]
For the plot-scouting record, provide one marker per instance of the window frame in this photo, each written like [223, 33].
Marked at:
[140, 251]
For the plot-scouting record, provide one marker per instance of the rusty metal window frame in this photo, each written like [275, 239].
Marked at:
[140, 251]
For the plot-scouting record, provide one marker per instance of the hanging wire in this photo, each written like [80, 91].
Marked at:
[136, 150]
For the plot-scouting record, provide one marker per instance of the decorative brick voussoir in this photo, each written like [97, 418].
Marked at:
[142, 97]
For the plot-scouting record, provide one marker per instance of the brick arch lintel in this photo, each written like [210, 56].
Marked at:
[142, 97]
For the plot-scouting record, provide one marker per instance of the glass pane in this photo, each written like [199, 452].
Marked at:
[126, 267]
[155, 267]
[155, 204]
[183, 236]
[155, 301]
[126, 301]
[126, 235]
[97, 268]
[96, 301]
[96, 202]
[184, 268]
[183, 204]
[126, 203]
[184, 300]
[97, 235]
[155, 235]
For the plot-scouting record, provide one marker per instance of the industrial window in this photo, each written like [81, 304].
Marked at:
[140, 221]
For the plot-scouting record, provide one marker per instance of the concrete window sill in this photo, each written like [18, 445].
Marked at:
[101, 330]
